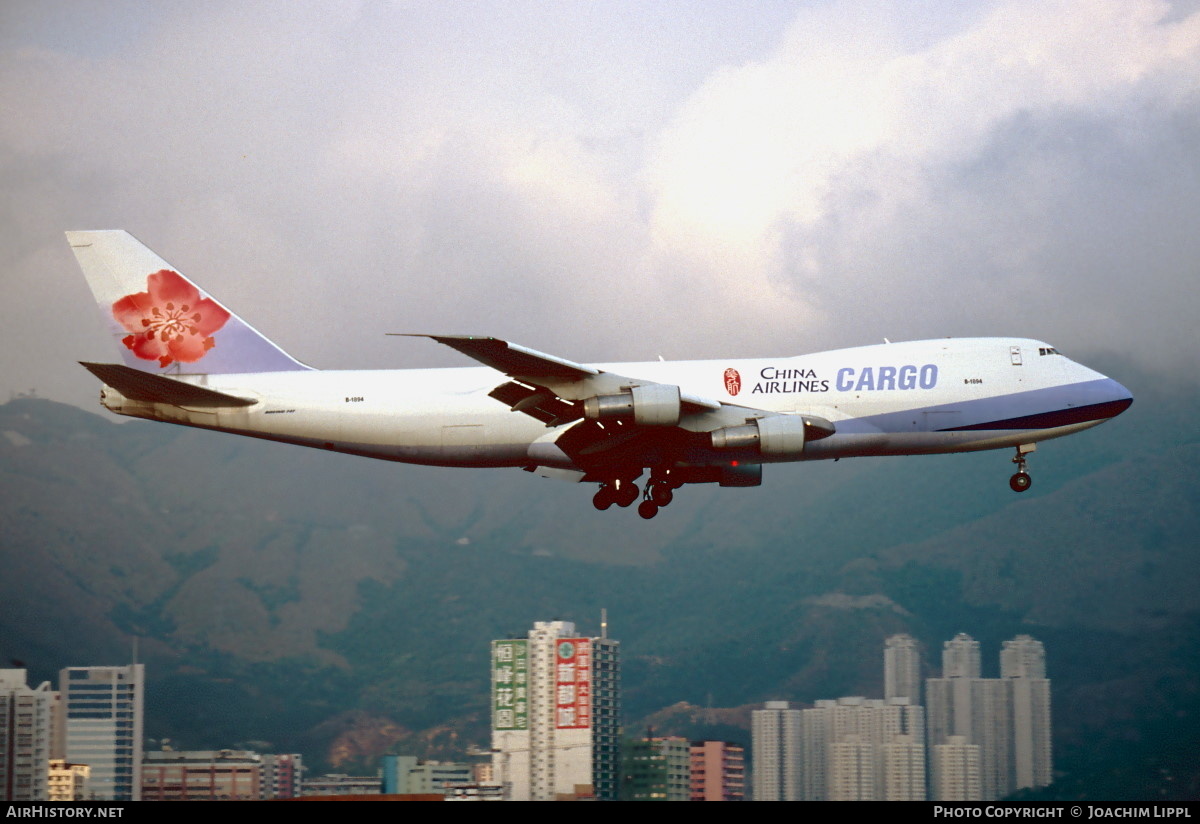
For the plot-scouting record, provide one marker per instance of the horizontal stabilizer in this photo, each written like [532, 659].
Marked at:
[144, 386]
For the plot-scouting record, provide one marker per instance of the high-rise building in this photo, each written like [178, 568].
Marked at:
[26, 728]
[904, 768]
[956, 770]
[991, 728]
[555, 714]
[1023, 657]
[775, 738]
[850, 765]
[862, 749]
[718, 771]
[103, 708]
[902, 668]
[961, 658]
[949, 698]
[1008, 718]
[1023, 666]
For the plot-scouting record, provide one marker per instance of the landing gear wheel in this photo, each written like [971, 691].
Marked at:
[1021, 481]
[647, 509]
[661, 494]
[603, 498]
[627, 494]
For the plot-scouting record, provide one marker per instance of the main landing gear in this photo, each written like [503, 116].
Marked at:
[1021, 481]
[660, 491]
[616, 491]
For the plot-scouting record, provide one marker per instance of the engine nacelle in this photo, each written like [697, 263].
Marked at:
[654, 405]
[779, 436]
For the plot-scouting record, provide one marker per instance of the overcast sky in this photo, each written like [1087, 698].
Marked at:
[609, 180]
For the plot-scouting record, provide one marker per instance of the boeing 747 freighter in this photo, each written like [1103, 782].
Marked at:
[188, 360]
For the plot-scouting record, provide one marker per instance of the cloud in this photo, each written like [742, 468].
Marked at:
[857, 184]
[611, 182]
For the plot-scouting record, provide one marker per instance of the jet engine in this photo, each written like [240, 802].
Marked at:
[654, 405]
[779, 436]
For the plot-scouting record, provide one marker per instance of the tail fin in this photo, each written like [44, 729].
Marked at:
[163, 323]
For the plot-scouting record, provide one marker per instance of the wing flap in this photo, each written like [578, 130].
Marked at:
[145, 386]
[538, 403]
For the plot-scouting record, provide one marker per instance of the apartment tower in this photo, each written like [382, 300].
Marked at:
[104, 707]
[556, 714]
[776, 741]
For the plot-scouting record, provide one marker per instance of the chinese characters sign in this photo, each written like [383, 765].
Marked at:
[510, 685]
[573, 684]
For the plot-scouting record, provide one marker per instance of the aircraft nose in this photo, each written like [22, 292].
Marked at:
[1116, 398]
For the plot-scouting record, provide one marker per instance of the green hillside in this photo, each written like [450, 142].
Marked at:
[341, 606]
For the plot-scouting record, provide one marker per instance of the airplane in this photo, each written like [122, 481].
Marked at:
[188, 360]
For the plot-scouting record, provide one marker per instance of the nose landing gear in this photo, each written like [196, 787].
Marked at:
[1021, 481]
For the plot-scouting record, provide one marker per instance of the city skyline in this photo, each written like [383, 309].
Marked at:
[981, 739]
[669, 696]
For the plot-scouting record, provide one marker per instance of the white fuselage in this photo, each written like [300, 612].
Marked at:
[919, 397]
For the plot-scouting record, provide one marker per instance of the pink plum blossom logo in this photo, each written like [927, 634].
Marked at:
[733, 381]
[169, 322]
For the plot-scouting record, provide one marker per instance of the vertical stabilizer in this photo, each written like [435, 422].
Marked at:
[163, 323]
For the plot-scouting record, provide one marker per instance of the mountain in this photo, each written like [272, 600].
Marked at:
[339, 606]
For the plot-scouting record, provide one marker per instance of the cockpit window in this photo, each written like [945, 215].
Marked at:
[1048, 350]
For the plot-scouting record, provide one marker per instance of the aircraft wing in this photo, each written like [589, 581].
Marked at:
[553, 389]
[619, 418]
[513, 360]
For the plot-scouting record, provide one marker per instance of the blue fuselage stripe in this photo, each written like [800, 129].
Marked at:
[1049, 420]
[1036, 409]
